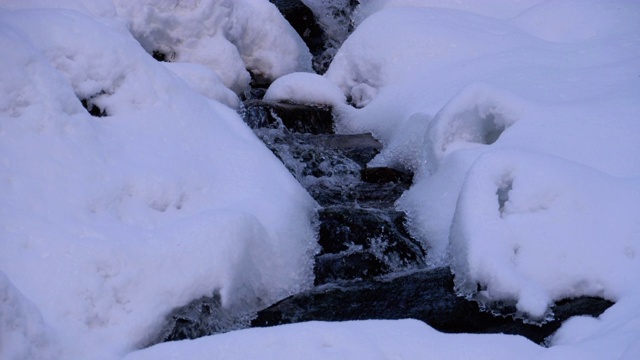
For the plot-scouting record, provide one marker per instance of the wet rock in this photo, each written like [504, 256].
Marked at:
[354, 264]
[361, 243]
[381, 175]
[425, 295]
[294, 117]
[360, 148]
[379, 231]
[253, 94]
[359, 193]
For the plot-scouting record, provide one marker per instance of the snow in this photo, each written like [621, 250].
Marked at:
[305, 88]
[401, 339]
[617, 337]
[204, 81]
[518, 118]
[517, 210]
[109, 223]
[24, 333]
[497, 102]
[228, 36]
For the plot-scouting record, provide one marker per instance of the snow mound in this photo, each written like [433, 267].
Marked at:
[108, 223]
[518, 210]
[228, 36]
[305, 88]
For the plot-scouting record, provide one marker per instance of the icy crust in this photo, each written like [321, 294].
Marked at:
[518, 210]
[228, 36]
[107, 223]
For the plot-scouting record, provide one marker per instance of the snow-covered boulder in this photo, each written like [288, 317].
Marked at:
[231, 37]
[108, 223]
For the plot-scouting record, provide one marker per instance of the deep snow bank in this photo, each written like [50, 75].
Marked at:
[107, 223]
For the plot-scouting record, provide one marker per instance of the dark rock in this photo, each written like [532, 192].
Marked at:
[378, 232]
[315, 119]
[253, 94]
[311, 164]
[360, 193]
[92, 108]
[381, 175]
[201, 317]
[163, 56]
[360, 148]
[361, 243]
[352, 265]
[259, 81]
[425, 295]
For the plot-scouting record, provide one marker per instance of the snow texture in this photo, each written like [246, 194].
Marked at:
[305, 88]
[518, 118]
[108, 223]
[228, 36]
[474, 88]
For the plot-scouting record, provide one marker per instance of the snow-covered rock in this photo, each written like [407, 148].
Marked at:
[108, 223]
[228, 36]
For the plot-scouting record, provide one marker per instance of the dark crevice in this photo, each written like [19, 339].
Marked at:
[163, 56]
[92, 108]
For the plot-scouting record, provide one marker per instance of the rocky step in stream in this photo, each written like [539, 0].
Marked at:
[369, 266]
